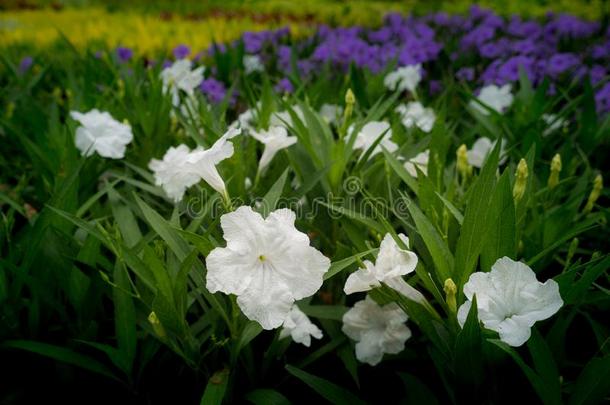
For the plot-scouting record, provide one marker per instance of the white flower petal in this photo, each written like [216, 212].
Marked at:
[363, 279]
[100, 133]
[298, 326]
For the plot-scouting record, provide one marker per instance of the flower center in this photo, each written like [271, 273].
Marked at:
[262, 258]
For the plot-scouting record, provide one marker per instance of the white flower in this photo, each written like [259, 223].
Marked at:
[510, 300]
[553, 121]
[267, 263]
[298, 326]
[421, 161]
[496, 98]
[414, 114]
[404, 78]
[377, 330]
[203, 161]
[172, 173]
[392, 263]
[101, 133]
[253, 63]
[331, 113]
[275, 139]
[179, 76]
[182, 168]
[481, 148]
[245, 120]
[369, 134]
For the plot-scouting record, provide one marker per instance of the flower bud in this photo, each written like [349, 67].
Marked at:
[521, 180]
[464, 169]
[450, 291]
[598, 185]
[572, 251]
[156, 325]
[555, 169]
[350, 100]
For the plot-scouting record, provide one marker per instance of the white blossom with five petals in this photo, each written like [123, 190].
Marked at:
[404, 78]
[510, 300]
[414, 114]
[369, 134]
[376, 329]
[180, 77]
[496, 98]
[298, 326]
[100, 133]
[182, 168]
[267, 263]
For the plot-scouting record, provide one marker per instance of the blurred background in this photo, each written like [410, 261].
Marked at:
[152, 25]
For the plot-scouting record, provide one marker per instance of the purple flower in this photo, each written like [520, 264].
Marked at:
[25, 64]
[124, 53]
[166, 63]
[561, 62]
[181, 51]
[213, 89]
[597, 73]
[509, 71]
[435, 87]
[465, 74]
[284, 86]
[602, 99]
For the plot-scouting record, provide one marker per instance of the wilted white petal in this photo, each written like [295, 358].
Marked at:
[377, 330]
[510, 300]
[282, 266]
[298, 326]
[100, 133]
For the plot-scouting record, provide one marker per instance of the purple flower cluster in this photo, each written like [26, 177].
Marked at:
[480, 48]
[213, 90]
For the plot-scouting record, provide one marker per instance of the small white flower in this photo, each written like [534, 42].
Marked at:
[392, 263]
[415, 114]
[331, 113]
[481, 148]
[179, 76]
[404, 78]
[377, 330]
[369, 134]
[553, 121]
[101, 133]
[245, 120]
[172, 173]
[421, 161]
[267, 263]
[275, 139]
[203, 161]
[510, 300]
[182, 168]
[496, 98]
[253, 63]
[298, 326]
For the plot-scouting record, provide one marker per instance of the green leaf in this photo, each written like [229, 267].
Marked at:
[468, 361]
[124, 316]
[264, 396]
[593, 384]
[416, 392]
[216, 388]
[61, 354]
[272, 197]
[441, 255]
[331, 392]
[336, 267]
